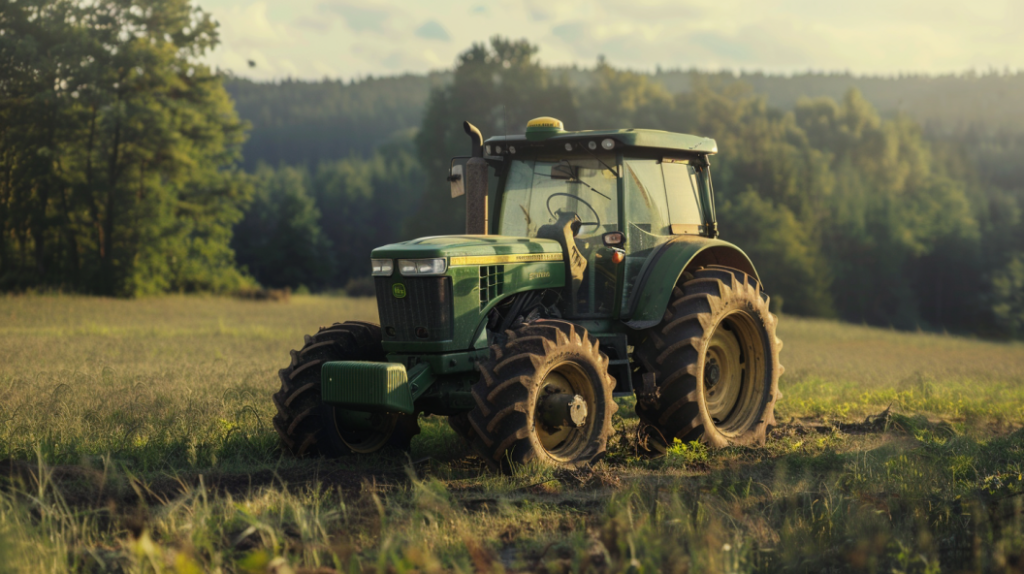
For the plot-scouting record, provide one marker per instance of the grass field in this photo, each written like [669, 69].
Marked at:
[135, 436]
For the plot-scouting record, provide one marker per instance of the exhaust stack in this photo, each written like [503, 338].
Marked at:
[476, 184]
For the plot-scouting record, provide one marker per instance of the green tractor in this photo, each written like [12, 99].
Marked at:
[596, 273]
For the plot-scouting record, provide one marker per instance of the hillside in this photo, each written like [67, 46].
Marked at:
[295, 122]
[305, 122]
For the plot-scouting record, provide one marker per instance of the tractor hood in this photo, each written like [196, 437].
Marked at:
[446, 313]
[474, 249]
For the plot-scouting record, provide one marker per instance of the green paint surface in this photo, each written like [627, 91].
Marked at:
[468, 309]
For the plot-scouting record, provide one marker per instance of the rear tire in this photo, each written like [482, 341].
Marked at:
[309, 427]
[715, 357]
[547, 371]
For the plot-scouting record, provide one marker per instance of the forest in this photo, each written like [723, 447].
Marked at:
[128, 167]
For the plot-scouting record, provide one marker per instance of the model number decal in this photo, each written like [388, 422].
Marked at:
[540, 275]
[499, 259]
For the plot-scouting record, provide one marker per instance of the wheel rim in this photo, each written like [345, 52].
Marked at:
[565, 390]
[733, 374]
[369, 439]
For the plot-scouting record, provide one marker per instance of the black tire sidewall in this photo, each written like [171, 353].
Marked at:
[676, 351]
[501, 426]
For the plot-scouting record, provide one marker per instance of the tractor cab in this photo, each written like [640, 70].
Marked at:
[627, 192]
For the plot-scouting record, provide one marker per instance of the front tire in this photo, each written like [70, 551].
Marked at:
[715, 361]
[543, 397]
[309, 427]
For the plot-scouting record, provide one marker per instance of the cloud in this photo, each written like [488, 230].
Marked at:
[359, 17]
[250, 26]
[619, 41]
[727, 49]
[310, 23]
[369, 36]
[573, 32]
[432, 30]
[549, 10]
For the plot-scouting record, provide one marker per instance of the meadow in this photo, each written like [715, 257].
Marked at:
[135, 436]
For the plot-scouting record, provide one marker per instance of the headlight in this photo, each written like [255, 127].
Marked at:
[423, 266]
[382, 267]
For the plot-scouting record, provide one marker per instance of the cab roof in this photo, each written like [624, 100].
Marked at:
[629, 138]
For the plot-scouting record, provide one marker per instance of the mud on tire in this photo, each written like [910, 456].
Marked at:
[715, 361]
[307, 426]
[539, 359]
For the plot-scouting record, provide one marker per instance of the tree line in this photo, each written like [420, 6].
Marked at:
[118, 149]
[120, 174]
[846, 213]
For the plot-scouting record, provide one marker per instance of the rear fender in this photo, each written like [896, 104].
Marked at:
[663, 269]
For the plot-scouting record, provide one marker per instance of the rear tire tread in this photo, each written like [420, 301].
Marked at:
[671, 350]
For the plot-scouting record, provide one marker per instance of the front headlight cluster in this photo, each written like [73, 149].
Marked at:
[423, 267]
[410, 267]
[382, 267]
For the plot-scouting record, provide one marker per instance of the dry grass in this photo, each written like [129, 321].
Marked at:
[139, 440]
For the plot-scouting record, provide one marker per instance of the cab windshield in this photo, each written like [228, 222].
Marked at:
[538, 189]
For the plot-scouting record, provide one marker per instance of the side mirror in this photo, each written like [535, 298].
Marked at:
[456, 179]
[614, 239]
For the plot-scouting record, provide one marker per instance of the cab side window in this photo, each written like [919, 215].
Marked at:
[648, 217]
[683, 197]
[662, 200]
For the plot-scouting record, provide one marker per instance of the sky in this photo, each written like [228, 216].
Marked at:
[346, 39]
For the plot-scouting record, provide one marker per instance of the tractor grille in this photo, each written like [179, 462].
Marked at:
[492, 283]
[424, 314]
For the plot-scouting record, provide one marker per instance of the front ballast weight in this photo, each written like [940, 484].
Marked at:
[524, 330]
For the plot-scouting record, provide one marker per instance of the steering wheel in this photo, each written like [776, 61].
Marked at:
[596, 224]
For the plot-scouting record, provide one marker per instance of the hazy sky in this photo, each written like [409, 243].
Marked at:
[353, 38]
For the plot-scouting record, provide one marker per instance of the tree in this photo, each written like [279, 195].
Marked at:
[498, 89]
[894, 217]
[1008, 295]
[620, 98]
[280, 240]
[118, 148]
[364, 202]
[789, 262]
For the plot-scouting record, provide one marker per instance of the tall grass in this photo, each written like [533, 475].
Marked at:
[137, 438]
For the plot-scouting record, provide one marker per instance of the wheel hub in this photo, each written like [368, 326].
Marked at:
[712, 373]
[558, 409]
[723, 373]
